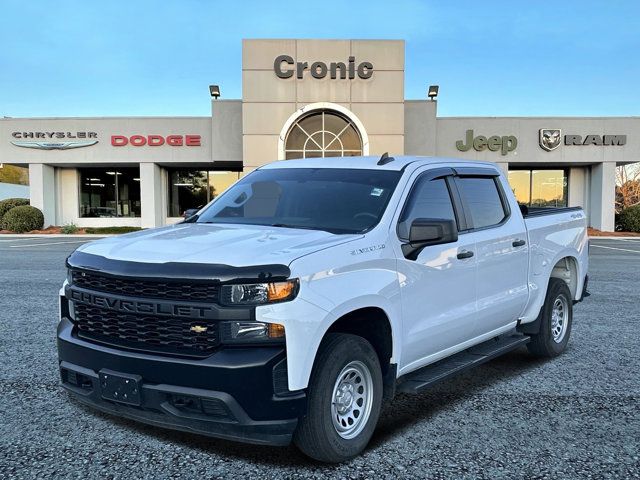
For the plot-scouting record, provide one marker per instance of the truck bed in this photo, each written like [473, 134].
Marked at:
[555, 233]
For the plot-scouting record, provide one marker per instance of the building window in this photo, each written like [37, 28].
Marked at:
[540, 188]
[191, 188]
[107, 192]
[323, 133]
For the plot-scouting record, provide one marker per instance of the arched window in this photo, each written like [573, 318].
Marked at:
[322, 133]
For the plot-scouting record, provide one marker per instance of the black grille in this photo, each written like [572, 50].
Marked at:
[164, 289]
[146, 332]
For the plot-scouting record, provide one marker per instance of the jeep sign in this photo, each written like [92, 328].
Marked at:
[505, 143]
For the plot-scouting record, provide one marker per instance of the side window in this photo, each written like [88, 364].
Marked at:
[482, 198]
[428, 199]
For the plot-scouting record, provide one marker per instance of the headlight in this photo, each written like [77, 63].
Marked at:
[258, 293]
[244, 332]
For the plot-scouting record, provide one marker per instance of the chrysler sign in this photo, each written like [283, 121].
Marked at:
[67, 140]
[54, 140]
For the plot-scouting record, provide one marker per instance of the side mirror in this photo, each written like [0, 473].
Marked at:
[429, 231]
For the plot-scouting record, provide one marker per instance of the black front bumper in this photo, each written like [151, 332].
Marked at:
[235, 394]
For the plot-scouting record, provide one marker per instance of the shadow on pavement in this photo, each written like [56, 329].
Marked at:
[402, 413]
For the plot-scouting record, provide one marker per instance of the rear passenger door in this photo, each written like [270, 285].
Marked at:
[501, 248]
[438, 287]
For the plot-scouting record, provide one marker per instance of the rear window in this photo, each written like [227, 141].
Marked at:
[482, 198]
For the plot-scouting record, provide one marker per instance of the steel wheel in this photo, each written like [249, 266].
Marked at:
[352, 399]
[559, 318]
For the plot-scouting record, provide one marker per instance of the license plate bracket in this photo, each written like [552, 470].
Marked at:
[120, 387]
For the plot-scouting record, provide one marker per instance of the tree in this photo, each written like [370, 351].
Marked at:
[627, 186]
[13, 174]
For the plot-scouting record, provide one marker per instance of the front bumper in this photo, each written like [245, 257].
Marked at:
[235, 394]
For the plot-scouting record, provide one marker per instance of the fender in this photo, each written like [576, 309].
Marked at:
[306, 324]
[539, 289]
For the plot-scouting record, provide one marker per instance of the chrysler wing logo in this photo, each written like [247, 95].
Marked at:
[550, 138]
[55, 145]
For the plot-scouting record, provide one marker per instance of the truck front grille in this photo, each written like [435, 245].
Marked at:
[152, 333]
[166, 289]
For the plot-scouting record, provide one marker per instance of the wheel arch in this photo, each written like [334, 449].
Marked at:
[566, 269]
[375, 325]
[372, 324]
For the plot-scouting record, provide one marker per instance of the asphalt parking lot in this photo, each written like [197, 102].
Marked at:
[577, 416]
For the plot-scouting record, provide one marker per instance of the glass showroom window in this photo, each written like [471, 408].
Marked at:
[109, 192]
[540, 188]
[191, 188]
[323, 133]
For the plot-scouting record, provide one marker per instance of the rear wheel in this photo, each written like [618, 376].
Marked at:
[555, 321]
[344, 399]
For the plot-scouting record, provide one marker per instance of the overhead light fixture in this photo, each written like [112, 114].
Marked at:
[214, 90]
[432, 93]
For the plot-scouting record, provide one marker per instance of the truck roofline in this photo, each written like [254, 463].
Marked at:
[370, 162]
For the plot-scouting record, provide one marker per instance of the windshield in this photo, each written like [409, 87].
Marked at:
[337, 200]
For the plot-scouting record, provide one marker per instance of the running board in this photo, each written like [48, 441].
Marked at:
[418, 381]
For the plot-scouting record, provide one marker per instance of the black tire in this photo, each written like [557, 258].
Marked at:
[543, 344]
[316, 434]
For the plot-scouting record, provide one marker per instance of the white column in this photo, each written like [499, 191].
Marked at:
[42, 191]
[577, 188]
[603, 188]
[504, 166]
[151, 204]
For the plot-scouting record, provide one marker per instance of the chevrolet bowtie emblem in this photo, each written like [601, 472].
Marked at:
[198, 329]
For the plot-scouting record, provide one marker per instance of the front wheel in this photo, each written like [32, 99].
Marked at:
[344, 400]
[555, 321]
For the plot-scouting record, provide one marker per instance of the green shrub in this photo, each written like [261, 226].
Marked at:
[630, 219]
[109, 230]
[69, 229]
[23, 219]
[9, 203]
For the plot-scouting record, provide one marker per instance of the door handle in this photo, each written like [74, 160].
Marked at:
[464, 254]
[519, 243]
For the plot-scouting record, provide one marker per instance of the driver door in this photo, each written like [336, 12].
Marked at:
[438, 288]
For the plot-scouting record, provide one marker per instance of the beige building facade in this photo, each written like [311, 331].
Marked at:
[303, 98]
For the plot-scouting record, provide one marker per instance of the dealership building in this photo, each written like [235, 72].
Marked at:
[303, 98]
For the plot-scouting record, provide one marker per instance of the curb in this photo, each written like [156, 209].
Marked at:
[596, 237]
[56, 235]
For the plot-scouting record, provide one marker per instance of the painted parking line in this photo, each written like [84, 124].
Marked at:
[615, 248]
[48, 243]
[17, 239]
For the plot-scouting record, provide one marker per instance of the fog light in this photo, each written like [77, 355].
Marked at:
[250, 332]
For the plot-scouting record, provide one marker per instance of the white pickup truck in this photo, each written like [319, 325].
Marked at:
[307, 294]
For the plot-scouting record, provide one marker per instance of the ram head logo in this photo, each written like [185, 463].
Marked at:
[550, 138]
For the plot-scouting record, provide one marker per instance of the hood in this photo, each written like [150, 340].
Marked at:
[234, 245]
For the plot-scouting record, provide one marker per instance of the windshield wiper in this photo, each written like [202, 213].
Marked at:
[303, 227]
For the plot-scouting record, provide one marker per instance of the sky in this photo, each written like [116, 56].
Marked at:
[157, 58]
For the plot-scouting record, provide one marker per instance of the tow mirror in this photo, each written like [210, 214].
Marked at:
[429, 231]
